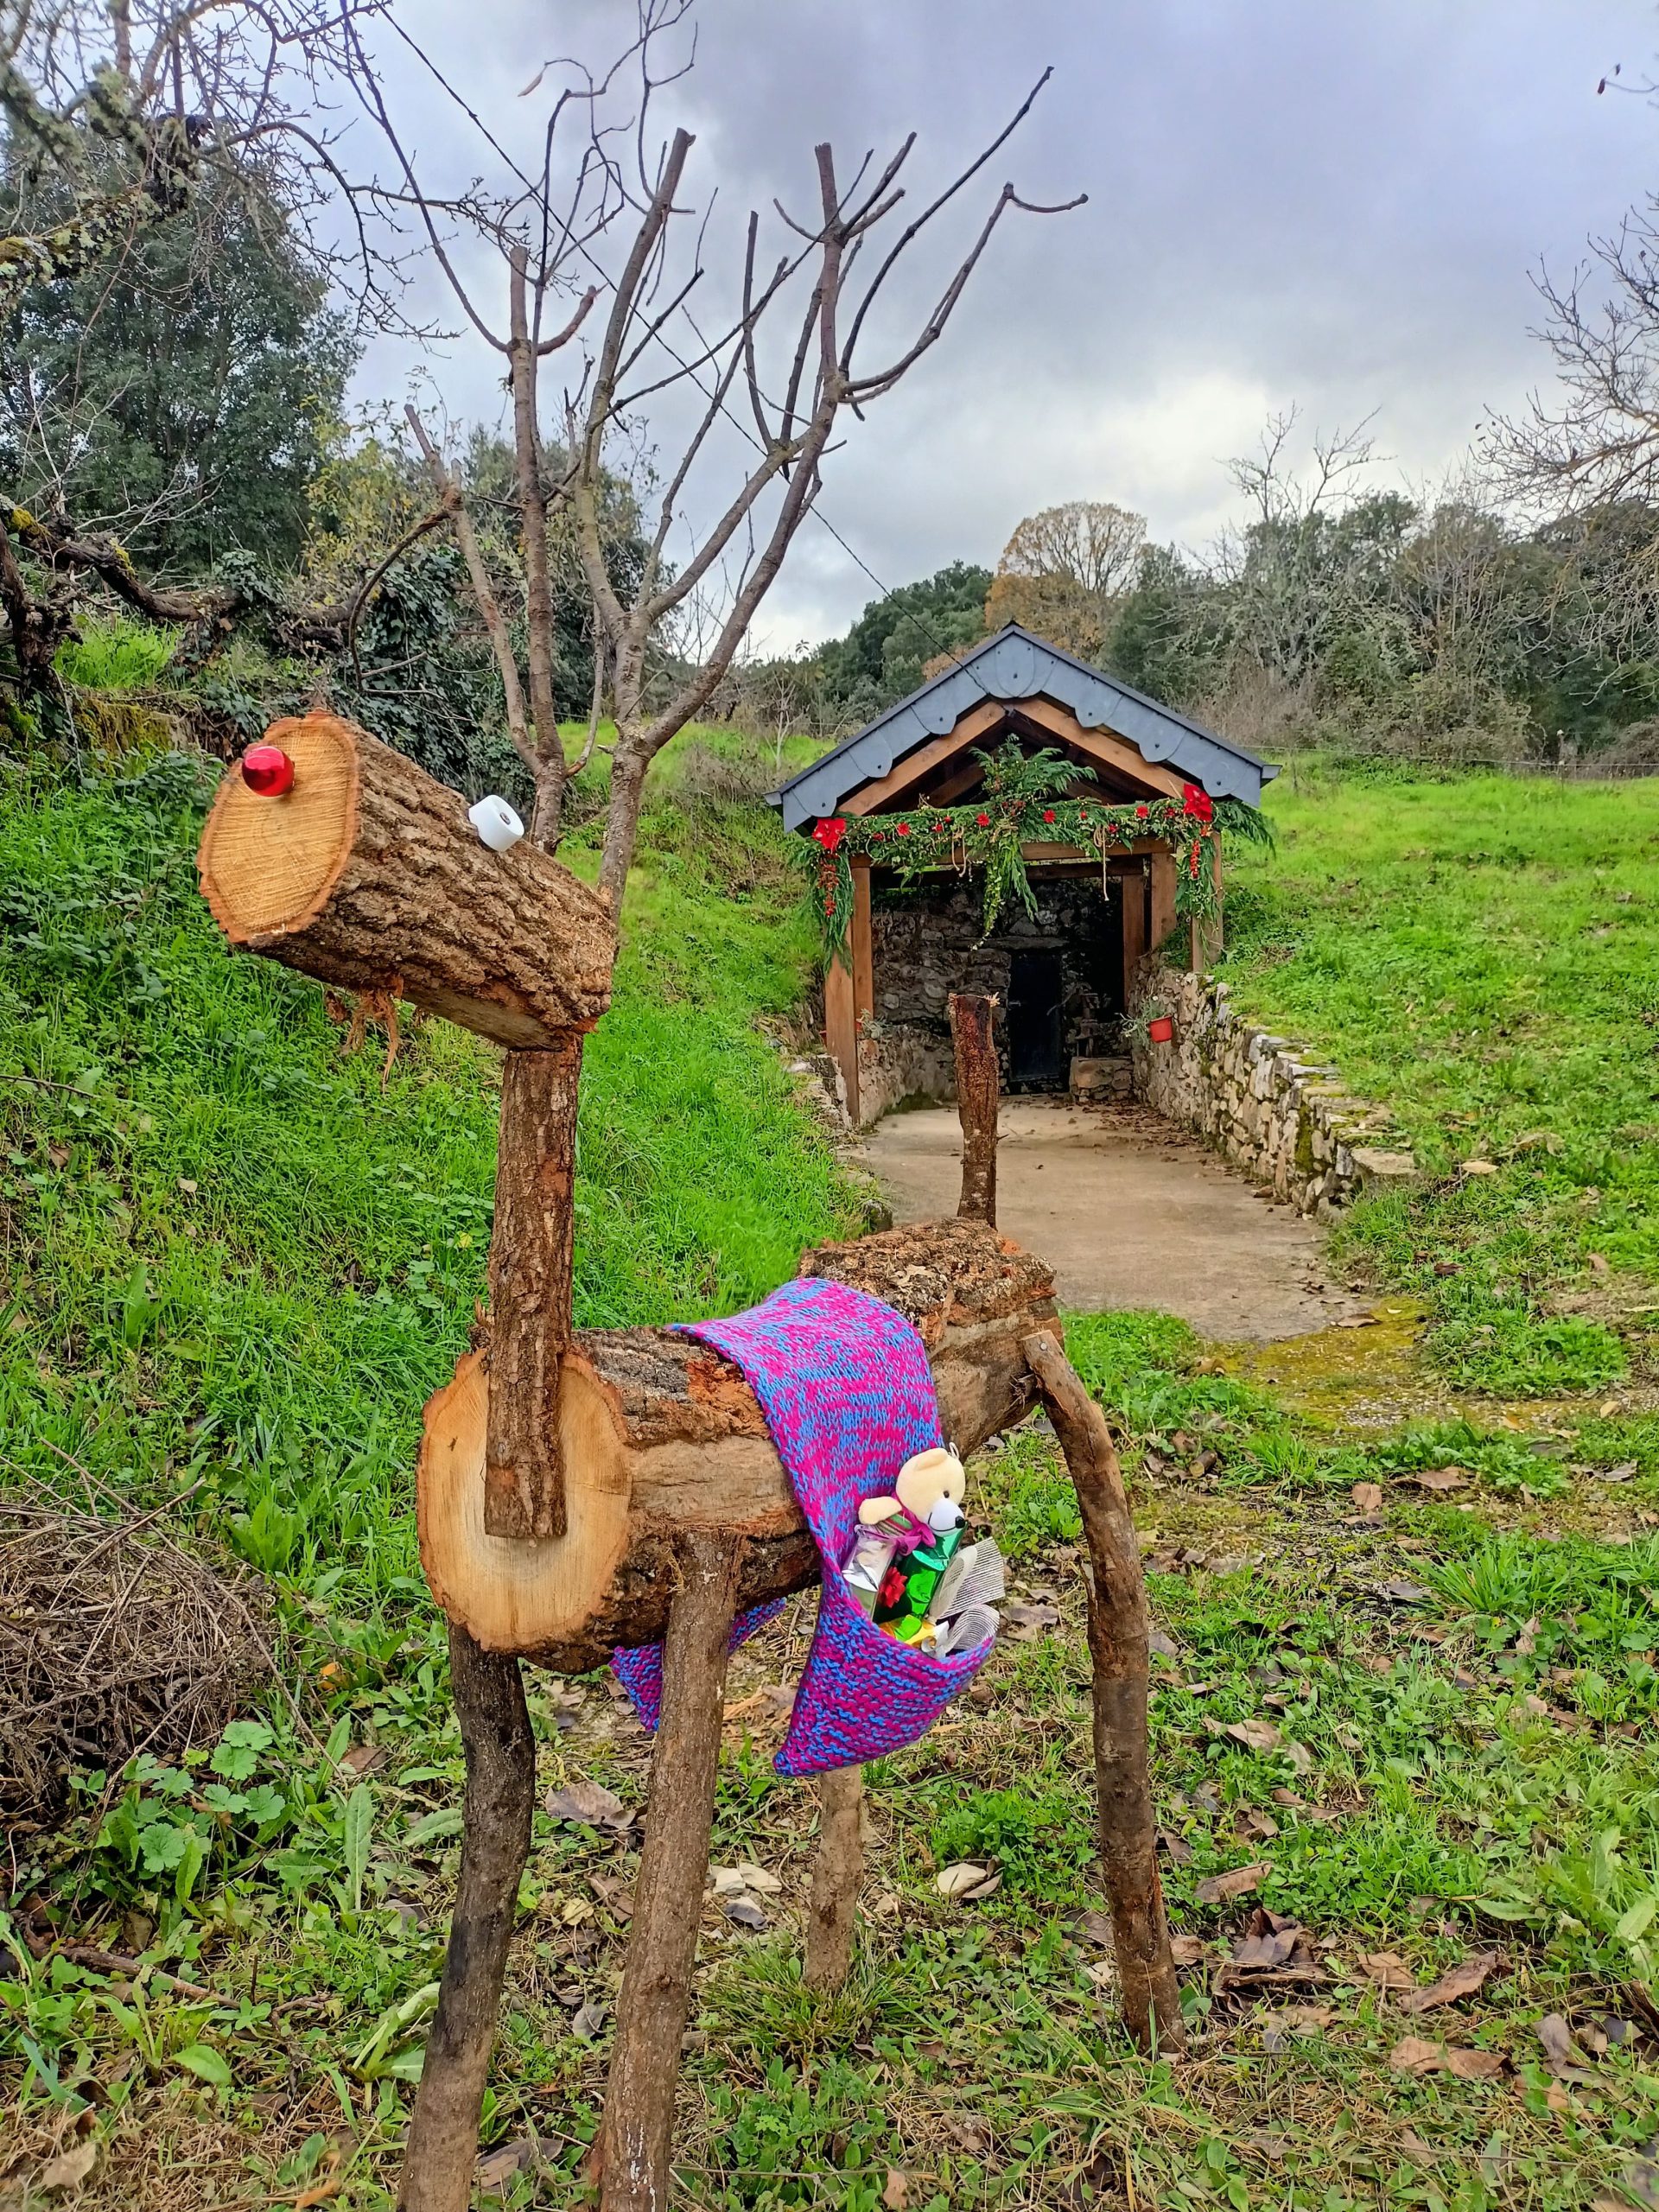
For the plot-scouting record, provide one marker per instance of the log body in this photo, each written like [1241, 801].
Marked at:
[368, 875]
[662, 1436]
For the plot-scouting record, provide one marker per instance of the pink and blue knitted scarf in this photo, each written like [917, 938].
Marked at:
[845, 1386]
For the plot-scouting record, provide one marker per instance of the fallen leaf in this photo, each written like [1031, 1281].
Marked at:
[589, 1802]
[1387, 1969]
[745, 1912]
[1220, 1889]
[1401, 1592]
[71, 2167]
[496, 2168]
[1162, 1647]
[761, 1879]
[1256, 1735]
[186, 1186]
[1187, 1950]
[1411, 2054]
[1466, 1980]
[956, 1881]
[362, 1758]
[988, 1888]
[895, 2193]
[1175, 1848]
[588, 2022]
[1621, 1473]
[1639, 2181]
[1097, 1928]
[614, 1894]
[1479, 1168]
[1557, 2039]
[1439, 1478]
[1027, 1620]
[1368, 1497]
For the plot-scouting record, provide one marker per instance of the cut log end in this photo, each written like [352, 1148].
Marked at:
[267, 864]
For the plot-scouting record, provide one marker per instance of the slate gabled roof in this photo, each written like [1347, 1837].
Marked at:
[1009, 667]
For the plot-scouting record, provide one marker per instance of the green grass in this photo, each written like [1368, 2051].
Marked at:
[118, 653]
[1463, 1687]
[1481, 953]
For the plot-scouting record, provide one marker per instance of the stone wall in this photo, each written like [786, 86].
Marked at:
[926, 942]
[1259, 1100]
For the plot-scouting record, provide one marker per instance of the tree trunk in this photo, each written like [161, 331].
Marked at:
[662, 1437]
[1119, 1630]
[495, 1734]
[836, 1873]
[369, 876]
[530, 1289]
[655, 1995]
[973, 1034]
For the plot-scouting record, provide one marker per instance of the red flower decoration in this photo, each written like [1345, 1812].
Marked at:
[1196, 803]
[1048, 814]
[904, 829]
[941, 826]
[830, 834]
[984, 820]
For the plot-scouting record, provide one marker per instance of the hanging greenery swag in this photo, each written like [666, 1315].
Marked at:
[1025, 797]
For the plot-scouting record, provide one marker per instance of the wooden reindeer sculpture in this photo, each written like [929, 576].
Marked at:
[581, 1491]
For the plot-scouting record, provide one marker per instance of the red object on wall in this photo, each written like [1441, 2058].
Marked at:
[268, 770]
[1160, 1030]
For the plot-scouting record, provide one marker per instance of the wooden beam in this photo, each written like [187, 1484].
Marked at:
[1134, 930]
[1163, 898]
[977, 722]
[1104, 746]
[841, 1026]
[862, 945]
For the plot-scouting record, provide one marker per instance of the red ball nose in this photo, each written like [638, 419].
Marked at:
[268, 770]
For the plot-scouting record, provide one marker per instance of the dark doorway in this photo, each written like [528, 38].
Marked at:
[1036, 1038]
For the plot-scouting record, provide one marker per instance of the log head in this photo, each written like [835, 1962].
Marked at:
[368, 875]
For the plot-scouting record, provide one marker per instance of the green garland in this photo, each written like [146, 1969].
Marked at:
[1025, 799]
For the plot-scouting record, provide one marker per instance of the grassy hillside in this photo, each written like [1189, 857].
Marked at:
[1482, 953]
[232, 1256]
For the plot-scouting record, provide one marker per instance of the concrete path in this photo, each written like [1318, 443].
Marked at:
[1128, 1211]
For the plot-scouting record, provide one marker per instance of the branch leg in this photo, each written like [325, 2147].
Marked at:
[835, 1875]
[978, 1086]
[501, 1749]
[655, 1996]
[1119, 1630]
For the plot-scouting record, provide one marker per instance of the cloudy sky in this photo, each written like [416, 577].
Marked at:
[1290, 203]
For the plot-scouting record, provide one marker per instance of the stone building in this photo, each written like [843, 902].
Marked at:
[1062, 977]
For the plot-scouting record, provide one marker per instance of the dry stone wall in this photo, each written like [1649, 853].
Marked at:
[1259, 1100]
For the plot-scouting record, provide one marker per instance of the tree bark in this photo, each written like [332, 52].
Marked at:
[662, 1437]
[655, 1995]
[369, 876]
[530, 1289]
[1119, 1631]
[495, 1734]
[973, 1034]
[836, 1873]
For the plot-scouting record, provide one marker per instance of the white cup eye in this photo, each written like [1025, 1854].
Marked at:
[496, 824]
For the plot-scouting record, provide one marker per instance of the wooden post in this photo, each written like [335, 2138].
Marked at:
[501, 1749]
[978, 1086]
[1207, 935]
[836, 1873]
[862, 943]
[1134, 930]
[841, 1026]
[530, 1253]
[1163, 897]
[1119, 1631]
[655, 1995]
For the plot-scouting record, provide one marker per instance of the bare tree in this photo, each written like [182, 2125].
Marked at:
[1596, 443]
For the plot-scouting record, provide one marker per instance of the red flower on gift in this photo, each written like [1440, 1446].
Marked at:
[984, 820]
[830, 834]
[1048, 814]
[904, 829]
[1199, 804]
[1141, 812]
